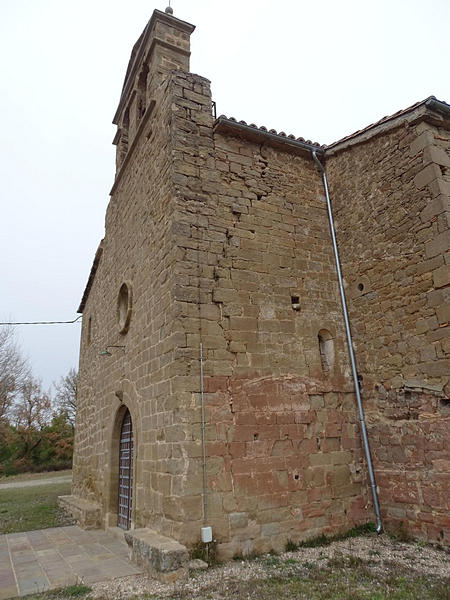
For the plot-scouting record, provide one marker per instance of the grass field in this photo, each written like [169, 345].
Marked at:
[35, 507]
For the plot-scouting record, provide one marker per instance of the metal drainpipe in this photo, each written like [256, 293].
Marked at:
[350, 349]
[202, 393]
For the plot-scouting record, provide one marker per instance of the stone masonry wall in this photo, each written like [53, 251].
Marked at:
[283, 447]
[137, 249]
[224, 243]
[391, 202]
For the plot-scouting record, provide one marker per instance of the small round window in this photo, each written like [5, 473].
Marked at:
[124, 307]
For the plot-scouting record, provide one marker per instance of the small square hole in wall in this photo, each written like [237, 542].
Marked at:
[295, 302]
[444, 405]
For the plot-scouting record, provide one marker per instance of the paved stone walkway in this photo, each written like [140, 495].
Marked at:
[36, 561]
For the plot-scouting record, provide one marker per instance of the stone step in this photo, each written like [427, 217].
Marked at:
[87, 514]
[117, 532]
[162, 557]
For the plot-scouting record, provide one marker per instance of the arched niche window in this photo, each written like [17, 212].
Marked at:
[89, 331]
[326, 350]
[124, 305]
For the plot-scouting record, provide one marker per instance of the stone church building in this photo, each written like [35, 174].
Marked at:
[215, 385]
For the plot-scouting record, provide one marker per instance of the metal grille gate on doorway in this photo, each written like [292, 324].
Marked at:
[125, 473]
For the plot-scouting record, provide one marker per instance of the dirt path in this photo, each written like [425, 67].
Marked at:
[32, 482]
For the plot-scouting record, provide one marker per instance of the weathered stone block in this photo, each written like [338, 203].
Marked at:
[441, 276]
[426, 176]
[87, 514]
[238, 520]
[436, 155]
[162, 557]
[443, 313]
[437, 368]
[440, 244]
[423, 140]
[197, 565]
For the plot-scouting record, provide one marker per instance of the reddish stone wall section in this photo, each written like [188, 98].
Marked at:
[292, 465]
[391, 200]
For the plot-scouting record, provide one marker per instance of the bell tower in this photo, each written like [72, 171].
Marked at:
[163, 46]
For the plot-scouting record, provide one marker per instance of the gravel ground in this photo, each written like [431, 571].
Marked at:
[381, 554]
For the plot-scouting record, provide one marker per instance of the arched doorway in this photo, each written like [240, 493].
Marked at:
[125, 472]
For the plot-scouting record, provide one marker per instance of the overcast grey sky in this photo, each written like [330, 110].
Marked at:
[316, 69]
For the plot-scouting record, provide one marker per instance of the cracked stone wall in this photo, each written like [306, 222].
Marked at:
[222, 241]
[252, 237]
[391, 201]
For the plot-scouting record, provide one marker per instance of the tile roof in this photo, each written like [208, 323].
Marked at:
[279, 136]
[431, 101]
[272, 131]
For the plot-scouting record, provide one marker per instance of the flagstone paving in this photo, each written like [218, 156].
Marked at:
[37, 561]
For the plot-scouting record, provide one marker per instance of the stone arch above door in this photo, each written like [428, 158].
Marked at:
[125, 398]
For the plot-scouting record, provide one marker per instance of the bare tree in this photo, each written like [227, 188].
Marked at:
[66, 395]
[32, 412]
[14, 371]
[32, 407]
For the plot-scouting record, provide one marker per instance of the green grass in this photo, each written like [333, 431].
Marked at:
[325, 540]
[35, 507]
[73, 591]
[205, 552]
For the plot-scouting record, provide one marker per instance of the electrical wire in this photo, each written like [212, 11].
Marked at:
[44, 322]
